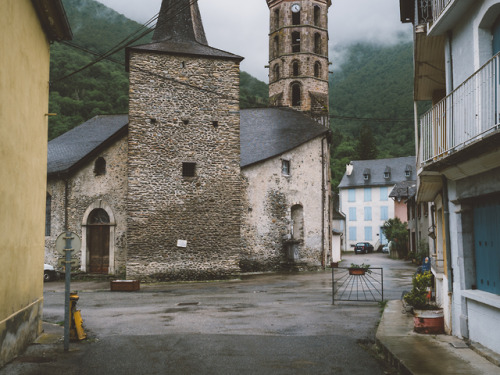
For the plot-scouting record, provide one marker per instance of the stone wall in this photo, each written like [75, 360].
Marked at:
[283, 57]
[183, 110]
[267, 219]
[86, 191]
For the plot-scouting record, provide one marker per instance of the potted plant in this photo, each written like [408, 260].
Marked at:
[359, 269]
[427, 317]
[335, 264]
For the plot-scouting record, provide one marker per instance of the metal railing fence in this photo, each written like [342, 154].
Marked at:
[465, 115]
[366, 287]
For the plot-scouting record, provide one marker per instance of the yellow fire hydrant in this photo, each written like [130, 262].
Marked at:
[75, 318]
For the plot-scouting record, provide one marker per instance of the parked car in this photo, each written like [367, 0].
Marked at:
[363, 247]
[385, 249]
[49, 273]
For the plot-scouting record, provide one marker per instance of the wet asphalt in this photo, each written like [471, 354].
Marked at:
[259, 324]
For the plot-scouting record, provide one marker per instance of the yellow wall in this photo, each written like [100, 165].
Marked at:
[24, 76]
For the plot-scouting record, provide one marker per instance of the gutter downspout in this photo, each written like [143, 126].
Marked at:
[446, 211]
[66, 200]
[323, 192]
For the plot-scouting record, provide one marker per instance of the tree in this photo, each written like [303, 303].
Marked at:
[366, 147]
[397, 232]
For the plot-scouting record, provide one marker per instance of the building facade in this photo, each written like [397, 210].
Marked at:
[184, 186]
[285, 166]
[298, 56]
[86, 194]
[192, 187]
[27, 29]
[456, 62]
[364, 197]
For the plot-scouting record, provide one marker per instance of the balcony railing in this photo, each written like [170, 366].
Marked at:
[469, 112]
[438, 6]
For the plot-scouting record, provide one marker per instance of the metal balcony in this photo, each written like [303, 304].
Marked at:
[466, 115]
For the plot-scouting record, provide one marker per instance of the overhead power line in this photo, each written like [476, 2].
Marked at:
[340, 117]
[127, 41]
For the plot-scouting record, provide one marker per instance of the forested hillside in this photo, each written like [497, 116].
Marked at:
[375, 83]
[372, 82]
[103, 88]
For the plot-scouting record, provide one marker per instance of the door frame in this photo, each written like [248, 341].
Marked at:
[112, 225]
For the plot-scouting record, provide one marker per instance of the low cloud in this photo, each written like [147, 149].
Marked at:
[242, 26]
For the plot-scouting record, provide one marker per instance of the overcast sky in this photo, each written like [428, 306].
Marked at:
[242, 26]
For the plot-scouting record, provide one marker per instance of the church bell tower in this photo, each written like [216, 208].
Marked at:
[298, 56]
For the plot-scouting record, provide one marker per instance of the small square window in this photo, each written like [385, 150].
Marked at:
[285, 167]
[188, 169]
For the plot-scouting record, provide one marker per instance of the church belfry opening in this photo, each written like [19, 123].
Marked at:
[298, 42]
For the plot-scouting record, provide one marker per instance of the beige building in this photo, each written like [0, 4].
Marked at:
[27, 28]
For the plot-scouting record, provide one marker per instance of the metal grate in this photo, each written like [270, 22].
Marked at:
[367, 287]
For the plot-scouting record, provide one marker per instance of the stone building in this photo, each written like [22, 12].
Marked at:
[298, 56]
[86, 192]
[285, 165]
[184, 187]
[193, 187]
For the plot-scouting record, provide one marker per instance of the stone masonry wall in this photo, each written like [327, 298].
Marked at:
[86, 189]
[283, 57]
[183, 110]
[270, 196]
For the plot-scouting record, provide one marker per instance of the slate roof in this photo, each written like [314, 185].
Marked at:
[264, 133]
[404, 190]
[69, 150]
[376, 169]
[179, 31]
[268, 132]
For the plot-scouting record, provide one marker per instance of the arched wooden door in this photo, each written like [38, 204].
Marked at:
[98, 241]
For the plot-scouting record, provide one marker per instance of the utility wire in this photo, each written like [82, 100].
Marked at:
[340, 117]
[126, 41]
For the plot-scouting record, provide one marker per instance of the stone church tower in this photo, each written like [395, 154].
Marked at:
[184, 199]
[298, 56]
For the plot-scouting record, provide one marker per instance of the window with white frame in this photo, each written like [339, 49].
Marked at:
[351, 195]
[368, 214]
[384, 193]
[352, 213]
[368, 234]
[368, 194]
[352, 234]
[384, 213]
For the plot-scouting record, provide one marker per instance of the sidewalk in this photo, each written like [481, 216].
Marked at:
[417, 354]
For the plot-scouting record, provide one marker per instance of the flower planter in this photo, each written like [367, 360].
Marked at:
[357, 271]
[428, 321]
[125, 285]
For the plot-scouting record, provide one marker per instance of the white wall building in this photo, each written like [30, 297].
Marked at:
[364, 197]
[456, 67]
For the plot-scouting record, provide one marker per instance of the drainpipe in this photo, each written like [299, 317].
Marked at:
[323, 192]
[447, 235]
[66, 200]
[324, 170]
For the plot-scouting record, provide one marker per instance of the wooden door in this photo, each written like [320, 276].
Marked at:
[98, 241]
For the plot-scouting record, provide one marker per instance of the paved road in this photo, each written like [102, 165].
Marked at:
[261, 324]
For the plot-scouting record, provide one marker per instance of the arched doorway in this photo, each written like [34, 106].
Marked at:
[98, 228]
[297, 222]
[296, 94]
